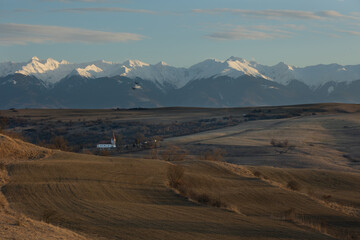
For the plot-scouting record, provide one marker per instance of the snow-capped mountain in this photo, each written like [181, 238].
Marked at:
[52, 71]
[211, 83]
[233, 67]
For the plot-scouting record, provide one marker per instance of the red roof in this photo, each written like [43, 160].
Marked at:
[104, 142]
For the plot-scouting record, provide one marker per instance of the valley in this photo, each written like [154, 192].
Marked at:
[294, 177]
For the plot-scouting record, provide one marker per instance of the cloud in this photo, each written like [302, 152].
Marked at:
[278, 14]
[259, 32]
[353, 33]
[23, 10]
[112, 9]
[86, 1]
[12, 33]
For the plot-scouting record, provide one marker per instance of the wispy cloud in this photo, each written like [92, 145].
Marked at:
[12, 34]
[353, 33]
[23, 10]
[278, 14]
[85, 1]
[107, 9]
[258, 32]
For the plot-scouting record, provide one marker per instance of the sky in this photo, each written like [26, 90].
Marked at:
[182, 33]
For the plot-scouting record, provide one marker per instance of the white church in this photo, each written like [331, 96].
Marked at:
[107, 144]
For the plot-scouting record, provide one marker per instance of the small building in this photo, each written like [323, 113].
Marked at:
[107, 144]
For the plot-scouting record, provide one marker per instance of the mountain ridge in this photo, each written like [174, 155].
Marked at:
[163, 75]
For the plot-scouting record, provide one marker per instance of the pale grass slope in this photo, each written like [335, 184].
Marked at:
[14, 150]
[15, 226]
[19, 227]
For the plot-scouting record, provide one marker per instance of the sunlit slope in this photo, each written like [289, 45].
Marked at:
[14, 149]
[121, 198]
[319, 141]
[14, 225]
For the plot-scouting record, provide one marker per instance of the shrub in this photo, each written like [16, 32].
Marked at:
[326, 197]
[293, 185]
[2, 166]
[47, 215]
[154, 154]
[104, 153]
[215, 154]
[59, 142]
[283, 145]
[139, 138]
[203, 198]
[257, 174]
[3, 123]
[218, 203]
[3, 202]
[279, 143]
[290, 214]
[20, 220]
[173, 153]
[175, 175]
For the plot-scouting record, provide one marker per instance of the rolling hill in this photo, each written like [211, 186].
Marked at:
[309, 192]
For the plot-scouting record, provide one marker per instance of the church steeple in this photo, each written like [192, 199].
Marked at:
[113, 140]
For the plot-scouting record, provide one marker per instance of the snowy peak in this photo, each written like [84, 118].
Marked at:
[90, 71]
[51, 71]
[233, 67]
[161, 63]
[64, 62]
[46, 70]
[134, 64]
[232, 58]
[35, 59]
[281, 72]
[242, 66]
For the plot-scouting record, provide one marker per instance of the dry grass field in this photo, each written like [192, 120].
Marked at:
[12, 149]
[121, 198]
[15, 225]
[308, 188]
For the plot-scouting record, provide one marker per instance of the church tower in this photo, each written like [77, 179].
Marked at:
[113, 141]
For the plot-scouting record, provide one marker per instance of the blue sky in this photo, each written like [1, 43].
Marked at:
[182, 33]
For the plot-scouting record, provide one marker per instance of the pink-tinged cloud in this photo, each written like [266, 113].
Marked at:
[279, 14]
[250, 33]
[13, 33]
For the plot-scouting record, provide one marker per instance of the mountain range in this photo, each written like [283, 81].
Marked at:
[211, 83]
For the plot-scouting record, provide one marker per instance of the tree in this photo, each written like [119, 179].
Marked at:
[173, 153]
[282, 146]
[139, 138]
[119, 141]
[59, 142]
[215, 154]
[175, 175]
[3, 123]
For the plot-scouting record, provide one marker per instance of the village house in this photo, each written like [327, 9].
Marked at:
[107, 144]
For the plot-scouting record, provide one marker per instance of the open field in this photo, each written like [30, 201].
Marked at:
[128, 199]
[82, 129]
[322, 141]
[308, 188]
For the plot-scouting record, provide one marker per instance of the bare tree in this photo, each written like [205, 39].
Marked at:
[215, 154]
[59, 142]
[173, 153]
[175, 175]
